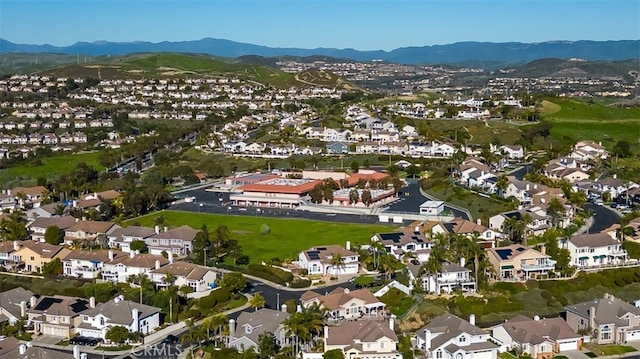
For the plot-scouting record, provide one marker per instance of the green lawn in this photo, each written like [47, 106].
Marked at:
[609, 349]
[287, 238]
[478, 206]
[50, 168]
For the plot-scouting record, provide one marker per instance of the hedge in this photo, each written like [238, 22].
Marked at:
[269, 273]
[303, 283]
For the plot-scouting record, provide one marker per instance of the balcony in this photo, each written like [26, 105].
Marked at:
[549, 265]
[86, 270]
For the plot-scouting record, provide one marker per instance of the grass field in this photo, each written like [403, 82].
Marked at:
[609, 349]
[50, 168]
[478, 206]
[287, 237]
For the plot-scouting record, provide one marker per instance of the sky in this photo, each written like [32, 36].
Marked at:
[358, 24]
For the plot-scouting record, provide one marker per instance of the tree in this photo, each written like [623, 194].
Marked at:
[555, 211]
[193, 335]
[366, 197]
[563, 263]
[622, 149]
[353, 196]
[333, 354]
[233, 282]
[138, 245]
[267, 346]
[54, 267]
[327, 193]
[316, 193]
[363, 281]
[354, 166]
[200, 245]
[337, 263]
[53, 235]
[257, 301]
[117, 334]
[501, 184]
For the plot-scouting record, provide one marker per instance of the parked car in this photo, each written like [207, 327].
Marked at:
[85, 341]
[169, 339]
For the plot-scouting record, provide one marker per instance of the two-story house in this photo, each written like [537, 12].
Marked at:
[245, 332]
[469, 229]
[136, 317]
[199, 278]
[88, 264]
[588, 250]
[450, 276]
[609, 319]
[121, 268]
[537, 226]
[330, 260]
[28, 195]
[89, 232]
[517, 262]
[342, 303]
[8, 260]
[176, 240]
[122, 237]
[35, 255]
[450, 337]
[38, 228]
[14, 304]
[407, 242]
[58, 315]
[7, 202]
[364, 339]
[539, 338]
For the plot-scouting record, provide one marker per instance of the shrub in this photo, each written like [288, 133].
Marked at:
[221, 295]
[208, 302]
[265, 229]
[546, 294]
[301, 283]
[270, 273]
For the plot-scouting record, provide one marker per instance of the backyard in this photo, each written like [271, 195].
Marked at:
[286, 237]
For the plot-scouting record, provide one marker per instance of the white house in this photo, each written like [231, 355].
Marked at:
[87, 264]
[198, 277]
[319, 260]
[432, 208]
[122, 237]
[364, 339]
[401, 243]
[342, 303]
[176, 240]
[121, 268]
[537, 337]
[136, 317]
[588, 250]
[451, 276]
[450, 337]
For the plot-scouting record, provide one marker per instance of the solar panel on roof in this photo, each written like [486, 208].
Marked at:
[504, 253]
[321, 248]
[521, 249]
[313, 255]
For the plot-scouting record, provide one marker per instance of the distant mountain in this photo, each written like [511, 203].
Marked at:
[577, 68]
[458, 53]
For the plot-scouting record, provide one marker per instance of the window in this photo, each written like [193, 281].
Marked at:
[463, 339]
[606, 333]
[439, 354]
[101, 320]
[383, 344]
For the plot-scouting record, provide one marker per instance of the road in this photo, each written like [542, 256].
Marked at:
[604, 217]
[411, 198]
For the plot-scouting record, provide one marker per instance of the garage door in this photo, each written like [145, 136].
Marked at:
[633, 335]
[55, 331]
[573, 345]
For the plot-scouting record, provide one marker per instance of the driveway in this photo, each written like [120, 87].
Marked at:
[603, 218]
[410, 199]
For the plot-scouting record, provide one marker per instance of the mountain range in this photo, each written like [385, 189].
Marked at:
[457, 53]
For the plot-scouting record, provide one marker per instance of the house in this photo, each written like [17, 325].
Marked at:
[35, 255]
[89, 231]
[450, 277]
[123, 267]
[589, 150]
[344, 304]
[87, 264]
[58, 316]
[472, 230]
[364, 339]
[122, 237]
[450, 337]
[7, 202]
[28, 195]
[538, 225]
[44, 210]
[12, 348]
[337, 148]
[513, 152]
[588, 250]
[408, 241]
[610, 319]
[244, 333]
[432, 208]
[539, 338]
[517, 262]
[14, 304]
[176, 240]
[136, 317]
[199, 278]
[321, 260]
[38, 228]
[8, 260]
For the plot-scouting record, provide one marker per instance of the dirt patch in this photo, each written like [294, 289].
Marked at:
[549, 107]
[239, 231]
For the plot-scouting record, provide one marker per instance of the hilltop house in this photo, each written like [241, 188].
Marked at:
[408, 241]
[450, 276]
[598, 249]
[322, 260]
[58, 316]
[199, 278]
[88, 264]
[176, 240]
[121, 268]
[35, 255]
[343, 304]
[540, 338]
[517, 262]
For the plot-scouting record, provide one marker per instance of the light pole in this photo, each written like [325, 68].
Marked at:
[278, 300]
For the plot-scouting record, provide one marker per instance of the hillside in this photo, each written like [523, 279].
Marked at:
[457, 53]
[554, 67]
[176, 65]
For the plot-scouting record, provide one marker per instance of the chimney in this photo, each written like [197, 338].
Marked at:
[472, 319]
[615, 175]
[479, 221]
[22, 350]
[157, 229]
[32, 302]
[462, 262]
[543, 249]
[23, 309]
[135, 315]
[326, 332]
[166, 229]
[348, 245]
[299, 308]
[92, 302]
[132, 253]
[416, 229]
[170, 257]
[592, 317]
[427, 339]
[84, 356]
[16, 245]
[392, 322]
[232, 327]
[157, 264]
[536, 318]
[76, 352]
[110, 255]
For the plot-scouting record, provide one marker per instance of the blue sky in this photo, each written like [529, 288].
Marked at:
[359, 24]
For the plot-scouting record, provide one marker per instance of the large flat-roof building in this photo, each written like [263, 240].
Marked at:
[275, 192]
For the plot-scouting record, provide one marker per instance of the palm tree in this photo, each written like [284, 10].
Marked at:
[502, 184]
[257, 301]
[220, 322]
[526, 220]
[337, 263]
[193, 335]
